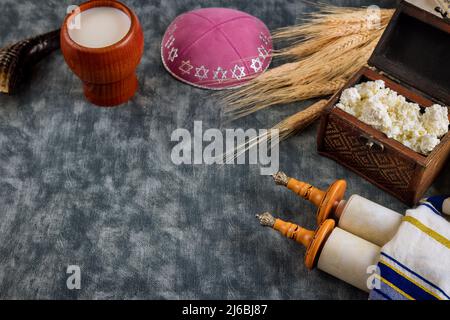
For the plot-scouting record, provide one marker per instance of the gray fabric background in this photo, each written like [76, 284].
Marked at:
[81, 185]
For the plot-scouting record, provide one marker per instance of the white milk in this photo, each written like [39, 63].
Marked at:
[100, 27]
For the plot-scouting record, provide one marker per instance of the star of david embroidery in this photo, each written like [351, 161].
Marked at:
[220, 74]
[173, 54]
[264, 38]
[172, 30]
[169, 42]
[186, 67]
[263, 53]
[238, 72]
[201, 73]
[256, 65]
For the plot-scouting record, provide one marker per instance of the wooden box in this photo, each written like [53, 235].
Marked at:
[413, 58]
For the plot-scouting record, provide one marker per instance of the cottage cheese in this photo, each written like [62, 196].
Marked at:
[435, 120]
[386, 110]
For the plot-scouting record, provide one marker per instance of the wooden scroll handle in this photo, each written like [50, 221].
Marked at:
[313, 241]
[303, 189]
[326, 201]
[288, 229]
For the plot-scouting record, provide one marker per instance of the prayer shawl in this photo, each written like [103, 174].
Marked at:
[415, 264]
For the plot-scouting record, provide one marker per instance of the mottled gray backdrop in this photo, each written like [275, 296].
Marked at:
[81, 185]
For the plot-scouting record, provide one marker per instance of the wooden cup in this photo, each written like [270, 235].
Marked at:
[108, 73]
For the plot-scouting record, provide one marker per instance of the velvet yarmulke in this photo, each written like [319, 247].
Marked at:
[216, 48]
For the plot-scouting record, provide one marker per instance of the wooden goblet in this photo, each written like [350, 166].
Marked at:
[108, 73]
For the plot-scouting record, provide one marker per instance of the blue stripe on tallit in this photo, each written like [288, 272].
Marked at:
[435, 203]
[431, 207]
[376, 294]
[404, 284]
[390, 292]
[415, 274]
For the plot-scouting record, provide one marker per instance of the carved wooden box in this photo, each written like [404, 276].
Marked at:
[413, 58]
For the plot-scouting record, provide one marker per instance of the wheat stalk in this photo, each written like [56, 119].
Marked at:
[308, 91]
[285, 129]
[341, 20]
[300, 120]
[325, 52]
[328, 49]
[319, 75]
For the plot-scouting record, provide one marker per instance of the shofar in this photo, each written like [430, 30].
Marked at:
[16, 60]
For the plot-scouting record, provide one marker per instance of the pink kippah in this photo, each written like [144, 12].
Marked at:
[216, 48]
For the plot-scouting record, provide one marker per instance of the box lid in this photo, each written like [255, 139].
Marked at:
[430, 6]
[415, 49]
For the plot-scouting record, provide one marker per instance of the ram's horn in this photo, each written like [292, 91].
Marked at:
[17, 59]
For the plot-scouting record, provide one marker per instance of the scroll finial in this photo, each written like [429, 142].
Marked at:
[281, 178]
[312, 240]
[266, 219]
[325, 201]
